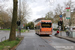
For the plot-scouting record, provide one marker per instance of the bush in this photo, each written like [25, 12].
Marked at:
[55, 29]
[17, 39]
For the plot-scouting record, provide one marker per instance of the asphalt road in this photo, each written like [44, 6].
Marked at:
[32, 41]
[4, 34]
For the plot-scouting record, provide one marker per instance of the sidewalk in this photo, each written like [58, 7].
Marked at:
[66, 37]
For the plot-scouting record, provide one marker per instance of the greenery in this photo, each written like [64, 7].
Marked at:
[55, 29]
[9, 44]
[30, 25]
[22, 30]
[58, 29]
[5, 29]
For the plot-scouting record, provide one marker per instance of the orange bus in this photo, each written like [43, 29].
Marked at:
[44, 27]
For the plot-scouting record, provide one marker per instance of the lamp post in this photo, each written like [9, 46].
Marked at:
[19, 27]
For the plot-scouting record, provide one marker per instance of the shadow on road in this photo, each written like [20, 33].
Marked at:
[44, 35]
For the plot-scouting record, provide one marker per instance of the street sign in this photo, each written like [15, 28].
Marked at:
[60, 16]
[67, 17]
[68, 13]
[22, 26]
[60, 19]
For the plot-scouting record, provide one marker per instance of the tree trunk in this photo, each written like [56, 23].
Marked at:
[14, 20]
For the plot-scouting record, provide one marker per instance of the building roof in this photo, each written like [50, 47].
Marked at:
[39, 19]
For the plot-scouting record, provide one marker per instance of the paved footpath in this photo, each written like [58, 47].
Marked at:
[66, 37]
[34, 42]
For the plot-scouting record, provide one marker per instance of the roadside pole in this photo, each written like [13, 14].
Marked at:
[19, 27]
[70, 34]
[18, 24]
[60, 32]
[68, 15]
[60, 25]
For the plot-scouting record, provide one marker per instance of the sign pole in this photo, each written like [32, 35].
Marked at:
[19, 29]
[60, 26]
[70, 14]
[60, 31]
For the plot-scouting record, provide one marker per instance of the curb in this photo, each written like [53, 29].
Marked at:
[19, 43]
[14, 48]
[66, 39]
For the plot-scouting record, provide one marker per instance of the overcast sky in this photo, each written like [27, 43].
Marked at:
[39, 8]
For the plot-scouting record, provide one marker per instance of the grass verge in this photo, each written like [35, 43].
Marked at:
[5, 29]
[6, 45]
[22, 30]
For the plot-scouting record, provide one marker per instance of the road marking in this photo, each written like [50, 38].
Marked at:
[64, 47]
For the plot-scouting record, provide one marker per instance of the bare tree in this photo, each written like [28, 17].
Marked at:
[58, 9]
[25, 12]
[49, 16]
[70, 4]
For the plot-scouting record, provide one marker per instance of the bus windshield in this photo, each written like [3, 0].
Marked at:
[46, 24]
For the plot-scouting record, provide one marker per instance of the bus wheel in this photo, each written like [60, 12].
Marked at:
[35, 33]
[39, 34]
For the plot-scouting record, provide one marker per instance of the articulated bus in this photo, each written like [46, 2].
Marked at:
[44, 27]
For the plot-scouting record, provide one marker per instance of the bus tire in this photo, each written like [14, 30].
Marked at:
[39, 34]
[35, 33]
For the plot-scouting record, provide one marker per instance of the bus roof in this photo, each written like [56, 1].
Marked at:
[46, 21]
[39, 23]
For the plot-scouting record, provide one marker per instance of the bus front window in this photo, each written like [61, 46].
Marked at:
[46, 25]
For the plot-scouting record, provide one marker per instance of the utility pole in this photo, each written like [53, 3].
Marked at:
[70, 22]
[19, 27]
[70, 14]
